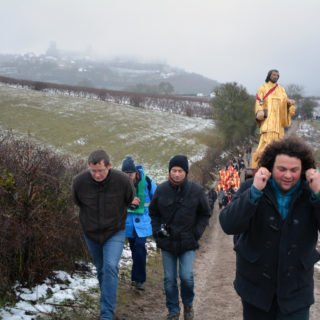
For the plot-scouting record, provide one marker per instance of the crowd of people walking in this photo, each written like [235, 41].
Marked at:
[229, 180]
[274, 219]
[119, 204]
[115, 205]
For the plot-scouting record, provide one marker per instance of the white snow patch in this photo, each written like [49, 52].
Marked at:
[67, 289]
[81, 141]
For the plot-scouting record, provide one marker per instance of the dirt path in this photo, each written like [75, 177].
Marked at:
[214, 274]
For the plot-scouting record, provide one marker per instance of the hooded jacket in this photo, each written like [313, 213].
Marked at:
[140, 224]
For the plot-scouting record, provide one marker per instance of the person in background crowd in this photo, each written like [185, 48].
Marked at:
[180, 213]
[103, 195]
[212, 195]
[275, 218]
[248, 155]
[220, 197]
[229, 166]
[234, 192]
[226, 198]
[138, 225]
[235, 163]
[241, 164]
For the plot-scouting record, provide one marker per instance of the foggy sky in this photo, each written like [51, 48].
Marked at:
[229, 40]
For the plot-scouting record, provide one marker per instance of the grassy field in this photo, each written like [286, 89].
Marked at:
[76, 126]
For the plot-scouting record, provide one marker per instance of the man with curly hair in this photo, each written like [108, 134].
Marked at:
[275, 218]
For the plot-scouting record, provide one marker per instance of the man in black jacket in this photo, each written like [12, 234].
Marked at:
[103, 195]
[275, 218]
[179, 212]
[212, 197]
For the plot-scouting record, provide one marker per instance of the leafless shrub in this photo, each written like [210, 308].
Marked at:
[205, 171]
[135, 100]
[39, 231]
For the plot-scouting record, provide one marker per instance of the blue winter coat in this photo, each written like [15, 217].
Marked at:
[141, 223]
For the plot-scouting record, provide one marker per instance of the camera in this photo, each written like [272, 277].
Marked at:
[133, 206]
[163, 232]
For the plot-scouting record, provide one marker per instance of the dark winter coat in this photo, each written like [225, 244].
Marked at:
[274, 256]
[188, 206]
[103, 205]
[241, 164]
[225, 200]
[212, 195]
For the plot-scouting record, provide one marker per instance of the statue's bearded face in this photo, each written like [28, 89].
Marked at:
[274, 76]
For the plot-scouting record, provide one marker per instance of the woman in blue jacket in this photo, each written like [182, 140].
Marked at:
[138, 224]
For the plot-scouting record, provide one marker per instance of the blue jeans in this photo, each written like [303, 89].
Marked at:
[170, 263]
[251, 312]
[139, 258]
[106, 258]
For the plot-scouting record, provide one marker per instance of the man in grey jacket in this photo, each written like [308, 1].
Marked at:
[275, 218]
[103, 195]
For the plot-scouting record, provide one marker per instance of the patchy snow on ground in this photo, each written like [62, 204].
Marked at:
[43, 297]
[29, 305]
[305, 129]
[308, 132]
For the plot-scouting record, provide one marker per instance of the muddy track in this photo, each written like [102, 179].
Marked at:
[214, 274]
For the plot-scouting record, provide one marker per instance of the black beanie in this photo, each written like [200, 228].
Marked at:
[179, 161]
[128, 165]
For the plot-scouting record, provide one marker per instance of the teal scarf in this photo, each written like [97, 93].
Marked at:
[283, 200]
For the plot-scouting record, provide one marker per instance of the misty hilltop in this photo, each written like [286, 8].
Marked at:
[115, 74]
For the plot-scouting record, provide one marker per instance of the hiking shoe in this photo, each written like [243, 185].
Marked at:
[188, 313]
[173, 316]
[140, 285]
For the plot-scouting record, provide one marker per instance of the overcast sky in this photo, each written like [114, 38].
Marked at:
[225, 40]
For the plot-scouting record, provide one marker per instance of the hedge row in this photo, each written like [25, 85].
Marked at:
[39, 230]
